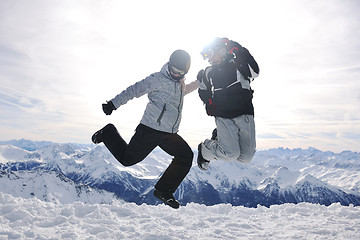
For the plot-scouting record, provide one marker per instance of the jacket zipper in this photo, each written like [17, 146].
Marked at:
[178, 108]
[161, 114]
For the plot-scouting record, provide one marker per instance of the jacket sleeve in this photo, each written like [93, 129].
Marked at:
[245, 62]
[191, 87]
[137, 90]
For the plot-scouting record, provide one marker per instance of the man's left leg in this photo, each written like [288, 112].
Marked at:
[180, 166]
[174, 145]
[226, 145]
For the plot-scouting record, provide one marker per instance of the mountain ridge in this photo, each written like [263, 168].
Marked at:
[275, 176]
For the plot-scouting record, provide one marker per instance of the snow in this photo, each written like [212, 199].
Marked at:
[50, 187]
[35, 219]
[10, 153]
[341, 170]
[42, 204]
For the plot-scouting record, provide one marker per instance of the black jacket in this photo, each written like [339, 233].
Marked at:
[228, 93]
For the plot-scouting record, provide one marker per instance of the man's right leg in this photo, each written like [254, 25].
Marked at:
[113, 141]
[247, 138]
[140, 145]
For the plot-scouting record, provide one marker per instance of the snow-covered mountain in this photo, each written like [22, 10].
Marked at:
[27, 144]
[50, 186]
[275, 176]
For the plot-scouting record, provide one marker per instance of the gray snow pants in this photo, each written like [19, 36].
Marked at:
[235, 140]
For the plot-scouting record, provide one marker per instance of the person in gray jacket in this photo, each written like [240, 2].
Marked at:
[158, 126]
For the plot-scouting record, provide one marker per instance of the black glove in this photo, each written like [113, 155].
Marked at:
[243, 60]
[108, 107]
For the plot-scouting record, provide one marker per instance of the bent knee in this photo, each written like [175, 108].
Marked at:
[126, 164]
[246, 158]
[230, 156]
[186, 155]
[185, 160]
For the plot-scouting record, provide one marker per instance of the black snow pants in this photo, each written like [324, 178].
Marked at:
[142, 143]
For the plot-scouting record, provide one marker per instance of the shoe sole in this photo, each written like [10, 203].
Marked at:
[158, 196]
[93, 138]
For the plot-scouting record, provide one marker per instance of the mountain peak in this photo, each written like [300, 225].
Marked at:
[274, 176]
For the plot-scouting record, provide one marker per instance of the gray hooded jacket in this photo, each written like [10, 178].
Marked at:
[163, 111]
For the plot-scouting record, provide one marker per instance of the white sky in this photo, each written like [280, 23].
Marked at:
[60, 60]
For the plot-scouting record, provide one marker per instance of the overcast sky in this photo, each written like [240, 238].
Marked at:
[60, 60]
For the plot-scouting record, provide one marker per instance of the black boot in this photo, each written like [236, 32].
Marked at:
[214, 134]
[168, 198]
[97, 136]
[203, 164]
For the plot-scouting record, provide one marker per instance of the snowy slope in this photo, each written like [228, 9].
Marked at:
[50, 187]
[275, 176]
[34, 219]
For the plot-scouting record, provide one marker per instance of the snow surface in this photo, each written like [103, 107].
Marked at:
[35, 219]
[46, 205]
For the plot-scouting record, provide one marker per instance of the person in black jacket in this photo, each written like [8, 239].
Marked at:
[227, 95]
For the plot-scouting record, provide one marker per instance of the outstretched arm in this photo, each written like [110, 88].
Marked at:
[137, 90]
[191, 87]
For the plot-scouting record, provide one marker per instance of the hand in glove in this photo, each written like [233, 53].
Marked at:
[243, 60]
[239, 51]
[108, 107]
